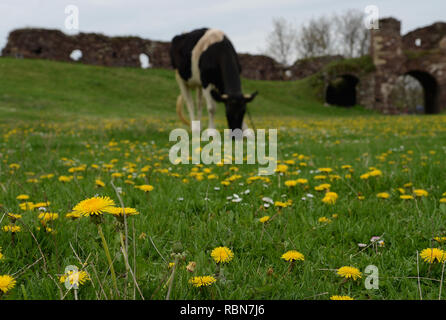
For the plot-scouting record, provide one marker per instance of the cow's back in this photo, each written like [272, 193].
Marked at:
[181, 51]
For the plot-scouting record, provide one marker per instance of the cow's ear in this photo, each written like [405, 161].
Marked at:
[218, 97]
[249, 98]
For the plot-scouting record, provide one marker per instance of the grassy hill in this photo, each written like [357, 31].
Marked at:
[40, 89]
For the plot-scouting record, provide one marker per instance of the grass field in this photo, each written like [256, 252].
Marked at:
[70, 132]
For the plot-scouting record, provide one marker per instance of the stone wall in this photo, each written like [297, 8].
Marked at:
[395, 55]
[96, 49]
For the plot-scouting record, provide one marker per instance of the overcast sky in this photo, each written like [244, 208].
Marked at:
[246, 22]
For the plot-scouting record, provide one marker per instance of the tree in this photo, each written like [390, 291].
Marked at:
[280, 41]
[343, 34]
[353, 38]
[315, 38]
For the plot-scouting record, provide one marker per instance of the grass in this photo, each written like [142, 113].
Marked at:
[88, 123]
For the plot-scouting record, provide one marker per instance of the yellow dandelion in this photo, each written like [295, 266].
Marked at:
[44, 217]
[6, 283]
[12, 228]
[290, 183]
[330, 198]
[280, 204]
[341, 298]
[322, 187]
[22, 197]
[94, 206]
[99, 183]
[293, 255]
[406, 197]
[431, 255]
[264, 219]
[324, 220]
[349, 272]
[119, 212]
[383, 195]
[222, 254]
[281, 168]
[202, 281]
[75, 278]
[420, 193]
[145, 187]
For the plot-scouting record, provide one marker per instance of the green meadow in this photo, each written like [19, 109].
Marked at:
[345, 176]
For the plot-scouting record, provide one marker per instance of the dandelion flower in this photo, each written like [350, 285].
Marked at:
[291, 183]
[22, 197]
[429, 255]
[75, 277]
[203, 281]
[280, 204]
[44, 217]
[99, 183]
[12, 228]
[6, 283]
[145, 187]
[420, 193]
[94, 206]
[383, 195]
[406, 197]
[349, 272]
[119, 212]
[264, 219]
[222, 254]
[330, 198]
[322, 187]
[293, 255]
[324, 220]
[341, 298]
[281, 168]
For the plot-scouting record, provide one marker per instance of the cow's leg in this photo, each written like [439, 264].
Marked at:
[211, 106]
[199, 103]
[186, 93]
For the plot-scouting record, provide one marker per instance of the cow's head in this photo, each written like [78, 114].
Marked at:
[235, 107]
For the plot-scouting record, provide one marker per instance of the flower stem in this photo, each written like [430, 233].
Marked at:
[110, 263]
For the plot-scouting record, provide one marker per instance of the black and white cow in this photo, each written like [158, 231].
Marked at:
[205, 60]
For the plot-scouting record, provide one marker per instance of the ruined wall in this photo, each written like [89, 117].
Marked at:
[306, 67]
[96, 49]
[430, 37]
[420, 53]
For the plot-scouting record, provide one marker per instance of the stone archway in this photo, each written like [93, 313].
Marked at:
[341, 91]
[430, 88]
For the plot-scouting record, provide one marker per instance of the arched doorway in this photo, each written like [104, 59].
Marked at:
[342, 91]
[415, 92]
[430, 88]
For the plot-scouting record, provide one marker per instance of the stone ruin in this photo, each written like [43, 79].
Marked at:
[98, 49]
[420, 53]
[367, 81]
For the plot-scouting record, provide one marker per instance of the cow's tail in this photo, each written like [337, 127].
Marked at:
[180, 110]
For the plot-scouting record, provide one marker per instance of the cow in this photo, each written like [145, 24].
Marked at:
[205, 60]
